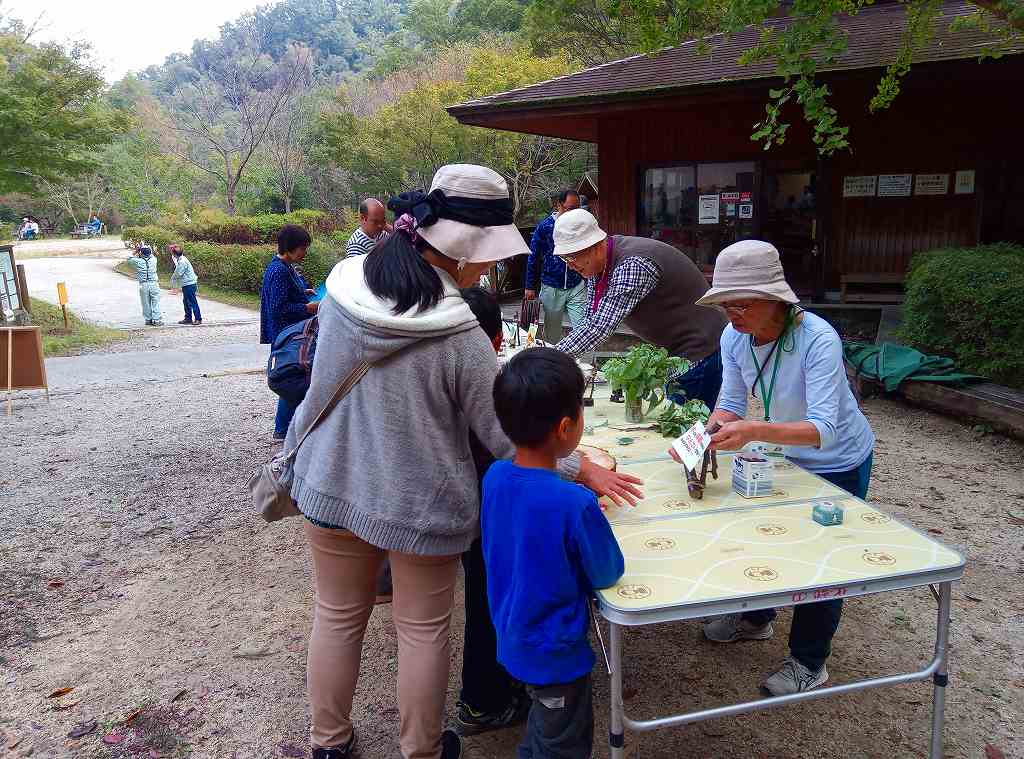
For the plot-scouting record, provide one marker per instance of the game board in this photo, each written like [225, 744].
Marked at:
[726, 554]
[666, 496]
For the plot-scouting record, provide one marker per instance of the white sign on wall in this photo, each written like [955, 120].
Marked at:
[894, 185]
[707, 209]
[931, 184]
[859, 187]
[964, 182]
[746, 210]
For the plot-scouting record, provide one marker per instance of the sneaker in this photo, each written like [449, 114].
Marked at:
[149, 322]
[186, 321]
[337, 753]
[794, 677]
[158, 324]
[471, 722]
[451, 745]
[198, 321]
[732, 627]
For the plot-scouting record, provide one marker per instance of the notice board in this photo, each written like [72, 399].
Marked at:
[10, 295]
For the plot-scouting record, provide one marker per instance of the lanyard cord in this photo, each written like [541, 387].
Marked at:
[766, 396]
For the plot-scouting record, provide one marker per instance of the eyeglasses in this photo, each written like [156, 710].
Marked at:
[738, 308]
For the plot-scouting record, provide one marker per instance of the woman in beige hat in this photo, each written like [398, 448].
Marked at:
[792, 361]
[389, 472]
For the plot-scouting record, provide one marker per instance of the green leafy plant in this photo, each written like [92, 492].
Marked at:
[641, 374]
[965, 303]
[676, 419]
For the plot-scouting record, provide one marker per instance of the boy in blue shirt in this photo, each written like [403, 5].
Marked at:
[547, 546]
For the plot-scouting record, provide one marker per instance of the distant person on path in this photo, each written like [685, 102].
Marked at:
[562, 290]
[372, 228]
[184, 276]
[284, 300]
[144, 262]
[94, 225]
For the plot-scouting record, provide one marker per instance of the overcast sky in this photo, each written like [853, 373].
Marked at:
[130, 35]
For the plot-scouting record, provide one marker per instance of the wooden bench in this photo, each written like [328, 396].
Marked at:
[885, 294]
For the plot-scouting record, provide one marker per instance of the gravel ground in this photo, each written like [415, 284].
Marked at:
[182, 337]
[134, 572]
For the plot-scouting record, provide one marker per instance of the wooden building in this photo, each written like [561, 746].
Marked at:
[944, 165]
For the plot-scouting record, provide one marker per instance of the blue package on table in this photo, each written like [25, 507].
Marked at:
[827, 513]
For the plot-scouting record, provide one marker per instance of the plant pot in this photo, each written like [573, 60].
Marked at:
[634, 410]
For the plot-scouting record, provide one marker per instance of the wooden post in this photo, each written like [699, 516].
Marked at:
[62, 298]
[10, 371]
[26, 301]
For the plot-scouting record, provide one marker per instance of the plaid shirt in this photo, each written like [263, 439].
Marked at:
[631, 282]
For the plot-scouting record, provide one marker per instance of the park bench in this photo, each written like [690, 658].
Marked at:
[83, 230]
[878, 288]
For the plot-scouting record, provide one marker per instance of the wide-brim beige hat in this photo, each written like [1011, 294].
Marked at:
[576, 230]
[748, 269]
[466, 242]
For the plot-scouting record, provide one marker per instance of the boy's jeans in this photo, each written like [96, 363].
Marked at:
[191, 302]
[814, 625]
[561, 722]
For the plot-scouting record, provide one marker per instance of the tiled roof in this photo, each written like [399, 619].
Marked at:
[874, 38]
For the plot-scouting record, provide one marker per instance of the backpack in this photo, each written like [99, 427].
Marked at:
[290, 364]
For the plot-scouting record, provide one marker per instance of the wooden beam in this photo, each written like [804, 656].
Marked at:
[986, 403]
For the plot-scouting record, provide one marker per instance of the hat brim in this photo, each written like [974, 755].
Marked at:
[570, 248]
[474, 244]
[719, 295]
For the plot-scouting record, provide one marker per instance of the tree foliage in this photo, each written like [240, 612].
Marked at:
[53, 119]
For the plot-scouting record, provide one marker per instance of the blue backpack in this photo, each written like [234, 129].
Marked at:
[291, 360]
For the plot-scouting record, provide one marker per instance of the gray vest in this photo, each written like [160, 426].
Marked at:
[667, 317]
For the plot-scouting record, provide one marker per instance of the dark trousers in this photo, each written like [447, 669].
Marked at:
[486, 686]
[283, 418]
[191, 302]
[561, 722]
[814, 625]
[703, 381]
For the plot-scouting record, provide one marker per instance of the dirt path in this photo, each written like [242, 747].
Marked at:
[134, 572]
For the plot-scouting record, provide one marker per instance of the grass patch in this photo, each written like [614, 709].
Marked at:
[220, 295]
[58, 341]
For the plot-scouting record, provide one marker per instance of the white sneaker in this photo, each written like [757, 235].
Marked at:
[794, 677]
[732, 627]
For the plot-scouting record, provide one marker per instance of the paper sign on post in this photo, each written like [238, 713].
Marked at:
[691, 445]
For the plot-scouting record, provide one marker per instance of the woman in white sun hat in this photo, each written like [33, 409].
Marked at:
[792, 361]
[389, 472]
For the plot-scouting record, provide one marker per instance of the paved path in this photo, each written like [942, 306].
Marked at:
[132, 368]
[100, 295]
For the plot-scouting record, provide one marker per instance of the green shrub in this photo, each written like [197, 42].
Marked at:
[6, 232]
[965, 303]
[213, 225]
[160, 237]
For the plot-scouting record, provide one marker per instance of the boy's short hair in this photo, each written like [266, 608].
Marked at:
[534, 392]
[292, 237]
[485, 308]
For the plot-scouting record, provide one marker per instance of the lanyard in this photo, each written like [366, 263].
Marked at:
[766, 396]
[601, 288]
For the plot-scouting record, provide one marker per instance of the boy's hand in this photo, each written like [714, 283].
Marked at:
[620, 488]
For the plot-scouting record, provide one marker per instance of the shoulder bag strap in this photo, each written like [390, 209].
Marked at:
[350, 381]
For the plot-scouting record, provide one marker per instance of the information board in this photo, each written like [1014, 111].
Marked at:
[931, 184]
[894, 185]
[10, 300]
[859, 187]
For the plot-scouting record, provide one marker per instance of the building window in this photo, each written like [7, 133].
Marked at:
[699, 208]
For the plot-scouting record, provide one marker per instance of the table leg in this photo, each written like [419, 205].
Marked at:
[616, 737]
[941, 677]
[10, 370]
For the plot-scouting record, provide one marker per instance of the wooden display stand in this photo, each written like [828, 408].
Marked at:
[21, 361]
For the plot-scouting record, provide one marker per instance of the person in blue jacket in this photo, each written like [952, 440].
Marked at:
[561, 290]
[547, 546]
[284, 300]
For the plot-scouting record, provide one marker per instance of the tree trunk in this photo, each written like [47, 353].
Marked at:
[287, 203]
[230, 197]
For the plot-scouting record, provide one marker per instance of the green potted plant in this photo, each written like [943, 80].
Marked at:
[641, 375]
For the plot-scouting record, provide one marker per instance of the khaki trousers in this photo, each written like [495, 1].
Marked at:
[345, 571]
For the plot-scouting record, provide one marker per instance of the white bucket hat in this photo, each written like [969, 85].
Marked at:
[453, 217]
[748, 269]
[576, 230]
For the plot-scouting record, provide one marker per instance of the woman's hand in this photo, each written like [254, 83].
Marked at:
[312, 307]
[620, 488]
[310, 291]
[734, 435]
